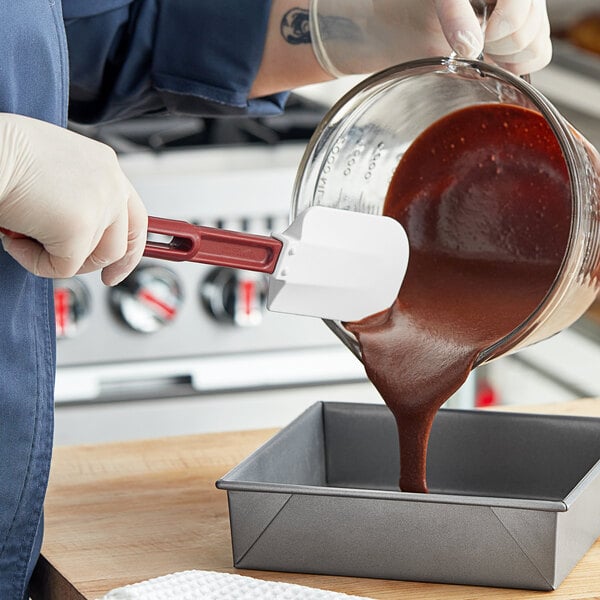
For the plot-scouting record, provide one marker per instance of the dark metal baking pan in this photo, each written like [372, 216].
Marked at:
[514, 501]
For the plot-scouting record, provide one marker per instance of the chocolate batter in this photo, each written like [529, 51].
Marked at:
[485, 200]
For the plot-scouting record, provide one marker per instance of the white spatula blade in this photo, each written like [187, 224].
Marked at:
[338, 264]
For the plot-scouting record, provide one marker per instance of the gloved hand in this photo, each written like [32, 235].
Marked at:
[364, 36]
[68, 195]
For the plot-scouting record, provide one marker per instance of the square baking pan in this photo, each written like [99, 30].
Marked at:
[514, 498]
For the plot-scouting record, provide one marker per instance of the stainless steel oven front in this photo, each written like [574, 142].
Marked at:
[186, 348]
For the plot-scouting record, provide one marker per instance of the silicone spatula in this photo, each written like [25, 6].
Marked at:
[329, 263]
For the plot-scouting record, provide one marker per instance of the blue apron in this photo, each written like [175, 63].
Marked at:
[127, 57]
[33, 82]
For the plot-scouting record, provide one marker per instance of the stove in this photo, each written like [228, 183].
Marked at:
[188, 348]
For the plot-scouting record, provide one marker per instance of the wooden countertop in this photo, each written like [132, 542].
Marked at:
[594, 311]
[125, 512]
[593, 314]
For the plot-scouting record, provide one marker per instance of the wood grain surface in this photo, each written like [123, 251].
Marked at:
[124, 512]
[593, 313]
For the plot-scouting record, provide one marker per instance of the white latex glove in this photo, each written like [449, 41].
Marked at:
[68, 195]
[517, 34]
[363, 36]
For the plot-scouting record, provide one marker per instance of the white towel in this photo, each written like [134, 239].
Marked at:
[210, 585]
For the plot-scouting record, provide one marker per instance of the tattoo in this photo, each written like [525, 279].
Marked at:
[295, 28]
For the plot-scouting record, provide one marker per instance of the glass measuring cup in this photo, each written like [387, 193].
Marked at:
[352, 156]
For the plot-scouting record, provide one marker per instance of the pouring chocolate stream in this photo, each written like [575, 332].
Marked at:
[484, 197]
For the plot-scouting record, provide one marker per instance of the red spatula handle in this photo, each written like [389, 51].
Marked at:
[12, 234]
[210, 246]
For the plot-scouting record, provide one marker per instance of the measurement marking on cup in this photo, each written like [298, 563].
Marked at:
[354, 156]
[324, 175]
[374, 159]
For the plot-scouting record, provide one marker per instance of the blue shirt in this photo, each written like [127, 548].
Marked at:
[125, 57]
[185, 56]
[33, 63]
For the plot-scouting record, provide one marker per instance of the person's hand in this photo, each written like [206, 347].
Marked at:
[363, 36]
[67, 194]
[517, 33]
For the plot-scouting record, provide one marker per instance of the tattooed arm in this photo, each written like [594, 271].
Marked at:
[363, 36]
[288, 58]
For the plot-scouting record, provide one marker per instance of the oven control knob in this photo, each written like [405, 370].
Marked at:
[148, 299]
[236, 297]
[72, 305]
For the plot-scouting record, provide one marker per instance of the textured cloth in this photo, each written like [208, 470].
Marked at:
[209, 585]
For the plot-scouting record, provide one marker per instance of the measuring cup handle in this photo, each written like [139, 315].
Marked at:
[211, 246]
[483, 9]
